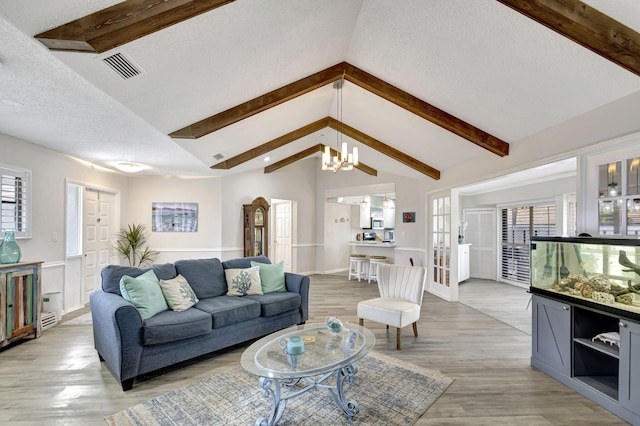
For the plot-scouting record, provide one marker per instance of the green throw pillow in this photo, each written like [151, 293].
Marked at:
[272, 276]
[178, 293]
[243, 282]
[144, 292]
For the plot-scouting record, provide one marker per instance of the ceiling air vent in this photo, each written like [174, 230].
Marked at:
[218, 156]
[122, 65]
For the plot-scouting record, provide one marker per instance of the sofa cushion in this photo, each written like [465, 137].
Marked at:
[242, 282]
[205, 276]
[271, 276]
[169, 326]
[276, 303]
[111, 275]
[244, 262]
[227, 310]
[164, 271]
[145, 293]
[178, 293]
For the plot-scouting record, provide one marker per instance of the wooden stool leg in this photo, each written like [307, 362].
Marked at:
[398, 334]
[415, 329]
[361, 321]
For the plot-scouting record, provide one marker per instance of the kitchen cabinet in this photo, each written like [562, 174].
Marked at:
[389, 216]
[20, 293]
[463, 262]
[365, 216]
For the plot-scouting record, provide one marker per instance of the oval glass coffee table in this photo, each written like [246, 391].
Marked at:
[296, 360]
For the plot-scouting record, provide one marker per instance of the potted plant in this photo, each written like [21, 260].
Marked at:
[130, 243]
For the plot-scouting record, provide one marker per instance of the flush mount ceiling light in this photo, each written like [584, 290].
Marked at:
[129, 167]
[344, 160]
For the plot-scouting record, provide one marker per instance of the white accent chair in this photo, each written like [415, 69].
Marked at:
[401, 290]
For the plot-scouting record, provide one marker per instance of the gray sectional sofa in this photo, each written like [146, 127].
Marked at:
[131, 346]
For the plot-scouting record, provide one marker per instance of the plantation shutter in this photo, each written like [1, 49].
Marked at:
[14, 196]
[519, 224]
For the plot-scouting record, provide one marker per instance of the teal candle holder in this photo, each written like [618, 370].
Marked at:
[295, 345]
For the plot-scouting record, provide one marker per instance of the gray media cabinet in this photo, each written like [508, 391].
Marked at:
[563, 347]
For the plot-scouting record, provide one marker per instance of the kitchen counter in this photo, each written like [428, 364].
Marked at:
[374, 248]
[372, 244]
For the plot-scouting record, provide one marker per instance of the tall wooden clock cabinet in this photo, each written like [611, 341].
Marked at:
[256, 227]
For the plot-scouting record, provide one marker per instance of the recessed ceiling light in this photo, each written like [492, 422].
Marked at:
[267, 159]
[129, 167]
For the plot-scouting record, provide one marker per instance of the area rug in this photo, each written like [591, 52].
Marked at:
[389, 392]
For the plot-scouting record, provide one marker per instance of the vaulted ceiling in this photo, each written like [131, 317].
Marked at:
[222, 84]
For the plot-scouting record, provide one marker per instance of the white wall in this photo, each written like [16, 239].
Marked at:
[296, 182]
[337, 236]
[49, 171]
[206, 192]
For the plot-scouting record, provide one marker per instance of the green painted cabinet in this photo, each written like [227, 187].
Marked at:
[20, 293]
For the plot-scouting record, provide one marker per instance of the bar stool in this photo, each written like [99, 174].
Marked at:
[357, 265]
[374, 261]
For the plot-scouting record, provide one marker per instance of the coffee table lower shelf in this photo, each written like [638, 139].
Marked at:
[282, 390]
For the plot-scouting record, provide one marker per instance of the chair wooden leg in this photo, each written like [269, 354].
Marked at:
[361, 321]
[398, 334]
[415, 329]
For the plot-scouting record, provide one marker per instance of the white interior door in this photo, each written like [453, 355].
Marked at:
[96, 237]
[282, 233]
[481, 233]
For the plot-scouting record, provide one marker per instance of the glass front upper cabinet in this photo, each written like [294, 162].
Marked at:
[598, 271]
[619, 198]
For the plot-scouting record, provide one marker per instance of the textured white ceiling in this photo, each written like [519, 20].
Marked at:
[475, 59]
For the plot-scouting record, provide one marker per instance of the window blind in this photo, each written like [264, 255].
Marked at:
[519, 224]
[15, 201]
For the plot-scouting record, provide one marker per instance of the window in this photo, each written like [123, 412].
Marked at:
[74, 219]
[519, 224]
[441, 216]
[15, 200]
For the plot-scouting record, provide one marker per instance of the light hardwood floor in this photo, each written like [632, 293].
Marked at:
[58, 379]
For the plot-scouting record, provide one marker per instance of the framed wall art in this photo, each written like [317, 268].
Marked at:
[408, 217]
[174, 217]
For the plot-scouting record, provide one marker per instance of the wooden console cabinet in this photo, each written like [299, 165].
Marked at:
[20, 294]
[563, 346]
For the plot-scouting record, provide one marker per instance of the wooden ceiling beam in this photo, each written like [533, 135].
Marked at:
[272, 144]
[385, 149]
[586, 26]
[360, 78]
[311, 151]
[261, 103]
[428, 112]
[122, 23]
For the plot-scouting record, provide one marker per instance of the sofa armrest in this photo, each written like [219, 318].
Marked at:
[298, 283]
[117, 333]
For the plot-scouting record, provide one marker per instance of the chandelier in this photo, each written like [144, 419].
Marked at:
[343, 160]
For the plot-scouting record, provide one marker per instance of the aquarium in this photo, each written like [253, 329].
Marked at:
[604, 273]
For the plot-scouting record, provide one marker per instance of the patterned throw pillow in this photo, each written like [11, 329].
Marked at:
[242, 282]
[178, 293]
[144, 292]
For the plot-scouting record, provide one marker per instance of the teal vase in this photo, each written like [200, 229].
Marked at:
[9, 249]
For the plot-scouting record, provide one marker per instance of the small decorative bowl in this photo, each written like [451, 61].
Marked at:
[334, 324]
